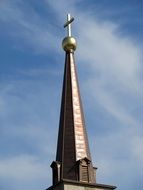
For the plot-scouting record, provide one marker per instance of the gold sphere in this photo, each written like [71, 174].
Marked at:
[69, 44]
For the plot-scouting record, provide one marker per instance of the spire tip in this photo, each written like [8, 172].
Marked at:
[69, 43]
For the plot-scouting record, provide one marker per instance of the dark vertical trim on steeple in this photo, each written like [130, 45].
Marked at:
[66, 138]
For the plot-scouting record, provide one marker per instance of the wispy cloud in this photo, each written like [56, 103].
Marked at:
[22, 167]
[24, 23]
[115, 65]
[27, 146]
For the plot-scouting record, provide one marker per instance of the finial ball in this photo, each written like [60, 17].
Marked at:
[69, 44]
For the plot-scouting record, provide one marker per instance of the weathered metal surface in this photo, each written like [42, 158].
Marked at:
[80, 141]
[72, 139]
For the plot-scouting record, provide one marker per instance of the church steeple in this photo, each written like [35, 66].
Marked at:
[73, 160]
[73, 155]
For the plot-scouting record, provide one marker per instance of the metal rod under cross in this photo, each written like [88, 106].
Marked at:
[68, 24]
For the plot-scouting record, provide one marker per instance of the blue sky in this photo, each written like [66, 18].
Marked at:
[109, 61]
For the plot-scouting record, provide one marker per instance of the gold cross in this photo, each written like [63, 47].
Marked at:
[68, 24]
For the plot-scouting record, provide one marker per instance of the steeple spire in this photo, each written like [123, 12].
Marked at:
[73, 156]
[73, 166]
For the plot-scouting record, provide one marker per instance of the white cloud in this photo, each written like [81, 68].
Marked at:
[109, 52]
[24, 23]
[24, 171]
[26, 115]
[22, 167]
[118, 154]
[28, 138]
